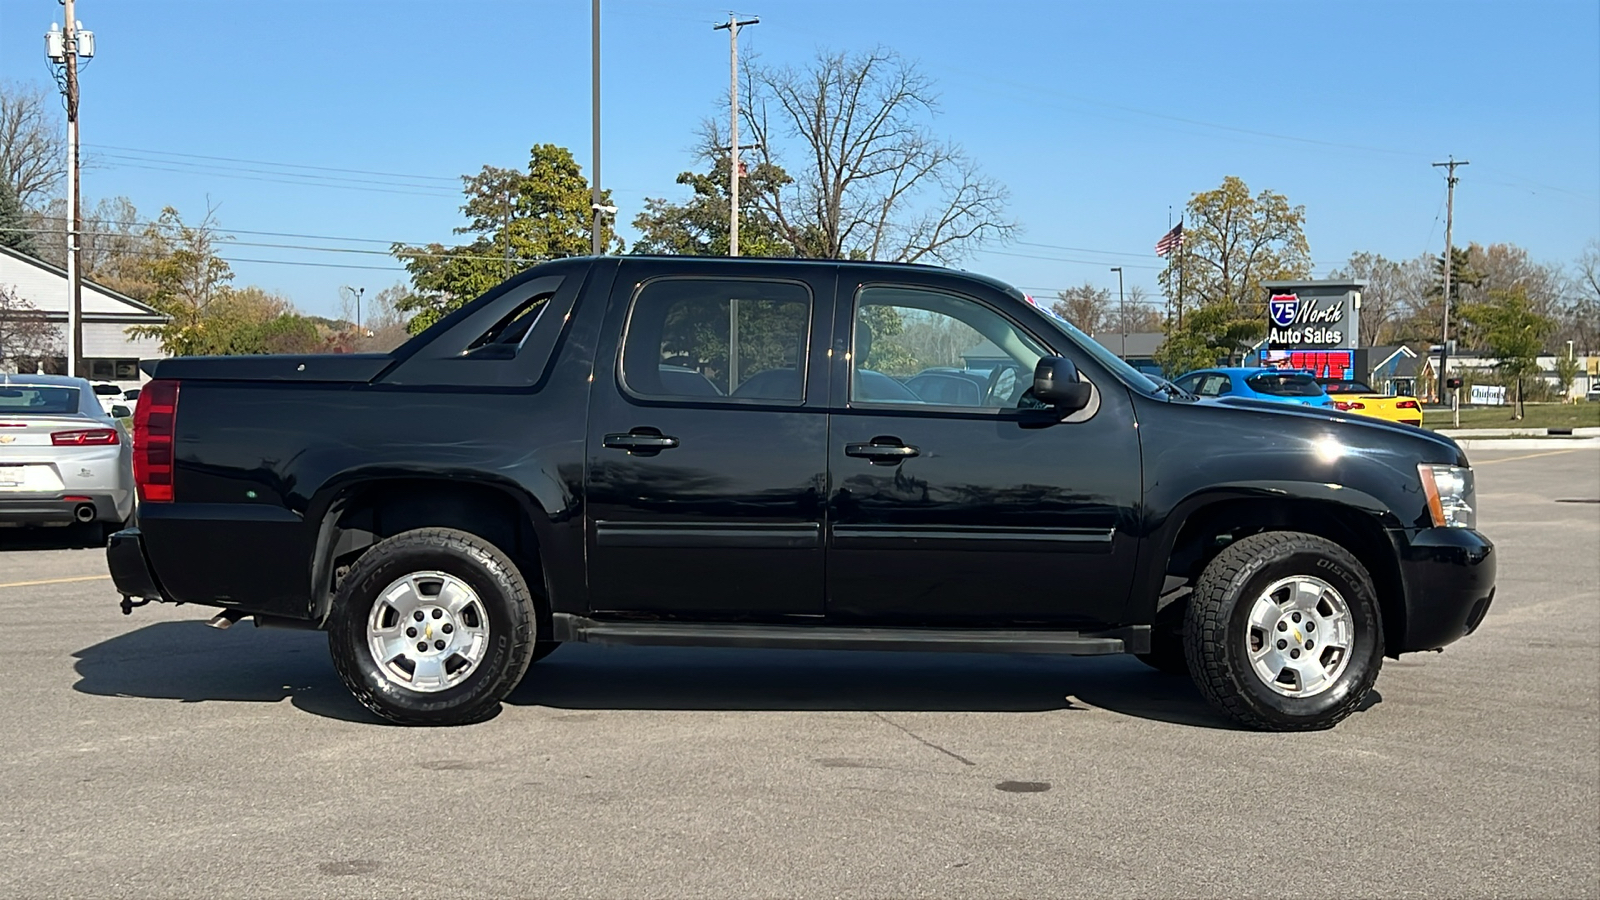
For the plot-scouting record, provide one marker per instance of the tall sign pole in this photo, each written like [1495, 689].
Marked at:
[1444, 331]
[733, 25]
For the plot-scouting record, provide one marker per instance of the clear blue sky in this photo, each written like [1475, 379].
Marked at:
[1098, 116]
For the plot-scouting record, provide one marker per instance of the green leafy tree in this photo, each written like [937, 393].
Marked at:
[518, 219]
[14, 231]
[1232, 243]
[1513, 332]
[186, 277]
[699, 225]
[1567, 369]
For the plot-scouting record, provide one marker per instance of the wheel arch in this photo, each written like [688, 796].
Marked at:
[1204, 525]
[361, 512]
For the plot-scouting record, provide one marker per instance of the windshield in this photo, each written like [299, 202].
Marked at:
[37, 400]
[1344, 387]
[1104, 357]
[1285, 384]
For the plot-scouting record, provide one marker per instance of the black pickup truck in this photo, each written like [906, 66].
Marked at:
[765, 453]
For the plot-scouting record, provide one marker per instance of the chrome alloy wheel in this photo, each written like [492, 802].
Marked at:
[1299, 636]
[427, 631]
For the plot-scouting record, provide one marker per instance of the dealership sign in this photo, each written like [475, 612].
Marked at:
[1312, 315]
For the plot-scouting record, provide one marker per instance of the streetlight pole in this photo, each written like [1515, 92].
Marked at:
[594, 203]
[1122, 313]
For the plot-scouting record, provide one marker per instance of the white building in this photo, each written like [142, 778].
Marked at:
[109, 353]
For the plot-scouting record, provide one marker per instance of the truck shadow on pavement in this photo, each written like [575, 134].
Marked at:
[190, 663]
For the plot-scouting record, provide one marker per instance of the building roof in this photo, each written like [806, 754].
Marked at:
[45, 287]
[1139, 345]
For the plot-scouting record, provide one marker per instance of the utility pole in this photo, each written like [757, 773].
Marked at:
[1122, 312]
[594, 202]
[1444, 332]
[505, 229]
[63, 47]
[733, 25]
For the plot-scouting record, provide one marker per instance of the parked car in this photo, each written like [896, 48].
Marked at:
[63, 459]
[1355, 396]
[108, 395]
[678, 450]
[1272, 385]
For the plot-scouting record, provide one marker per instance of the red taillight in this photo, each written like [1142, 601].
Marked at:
[1406, 404]
[1340, 405]
[87, 437]
[155, 422]
[92, 437]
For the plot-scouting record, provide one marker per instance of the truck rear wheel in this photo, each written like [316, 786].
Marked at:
[1283, 632]
[432, 627]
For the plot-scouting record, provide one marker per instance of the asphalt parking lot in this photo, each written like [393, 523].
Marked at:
[151, 756]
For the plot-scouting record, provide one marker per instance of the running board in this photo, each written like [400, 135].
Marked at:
[568, 627]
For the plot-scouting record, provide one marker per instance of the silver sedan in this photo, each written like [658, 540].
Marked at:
[63, 458]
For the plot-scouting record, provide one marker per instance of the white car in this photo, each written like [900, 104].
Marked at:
[64, 459]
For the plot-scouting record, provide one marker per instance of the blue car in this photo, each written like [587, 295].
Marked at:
[1277, 385]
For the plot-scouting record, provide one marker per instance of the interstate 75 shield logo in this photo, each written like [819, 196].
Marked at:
[1283, 308]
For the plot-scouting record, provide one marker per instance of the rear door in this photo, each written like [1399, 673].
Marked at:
[706, 475]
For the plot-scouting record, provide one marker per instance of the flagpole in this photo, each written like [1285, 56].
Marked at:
[1182, 249]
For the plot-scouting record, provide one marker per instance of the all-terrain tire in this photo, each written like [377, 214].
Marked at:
[1217, 630]
[507, 603]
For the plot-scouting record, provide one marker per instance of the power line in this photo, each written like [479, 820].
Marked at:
[263, 162]
[307, 178]
[346, 187]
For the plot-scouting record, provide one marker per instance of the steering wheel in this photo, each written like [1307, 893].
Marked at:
[1002, 389]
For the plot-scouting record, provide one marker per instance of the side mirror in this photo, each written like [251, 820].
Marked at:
[1055, 381]
[1452, 383]
[121, 412]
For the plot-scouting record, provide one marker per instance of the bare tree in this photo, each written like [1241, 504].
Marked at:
[33, 154]
[1139, 313]
[868, 178]
[1395, 293]
[25, 334]
[1090, 308]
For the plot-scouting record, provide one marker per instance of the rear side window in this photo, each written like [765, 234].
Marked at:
[715, 340]
[37, 400]
[1212, 385]
[1285, 385]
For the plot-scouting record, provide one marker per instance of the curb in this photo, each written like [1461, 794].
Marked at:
[1536, 444]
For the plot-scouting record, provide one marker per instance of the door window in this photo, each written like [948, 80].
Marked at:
[915, 346]
[718, 340]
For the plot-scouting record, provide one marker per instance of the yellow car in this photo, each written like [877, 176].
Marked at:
[1357, 397]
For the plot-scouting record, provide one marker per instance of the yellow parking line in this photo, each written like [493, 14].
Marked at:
[1489, 461]
[55, 581]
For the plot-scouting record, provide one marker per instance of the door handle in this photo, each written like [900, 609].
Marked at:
[882, 450]
[640, 440]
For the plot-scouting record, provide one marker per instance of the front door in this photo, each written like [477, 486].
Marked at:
[953, 499]
[707, 456]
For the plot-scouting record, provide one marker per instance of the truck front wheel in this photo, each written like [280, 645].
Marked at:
[432, 627]
[1282, 632]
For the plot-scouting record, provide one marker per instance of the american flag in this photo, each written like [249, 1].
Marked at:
[1170, 241]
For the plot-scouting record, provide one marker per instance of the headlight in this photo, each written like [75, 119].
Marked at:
[1450, 495]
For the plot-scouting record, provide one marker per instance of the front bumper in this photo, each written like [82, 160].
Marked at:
[130, 570]
[60, 507]
[1449, 583]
